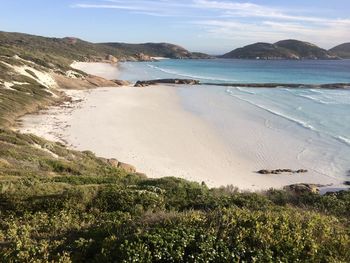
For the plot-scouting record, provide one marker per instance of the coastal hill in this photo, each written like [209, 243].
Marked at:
[342, 50]
[285, 49]
[71, 48]
[260, 50]
[153, 50]
[304, 50]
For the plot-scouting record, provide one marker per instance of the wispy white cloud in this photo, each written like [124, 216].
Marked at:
[156, 8]
[146, 7]
[271, 31]
[110, 6]
[235, 9]
[248, 22]
[244, 21]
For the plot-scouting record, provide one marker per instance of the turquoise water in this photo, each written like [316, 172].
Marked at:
[324, 112]
[320, 117]
[242, 71]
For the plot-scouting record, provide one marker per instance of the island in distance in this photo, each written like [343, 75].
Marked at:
[342, 50]
[288, 49]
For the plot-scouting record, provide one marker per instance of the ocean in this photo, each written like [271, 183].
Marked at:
[320, 118]
[242, 71]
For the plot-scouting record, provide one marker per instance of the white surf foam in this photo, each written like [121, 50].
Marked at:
[189, 75]
[245, 90]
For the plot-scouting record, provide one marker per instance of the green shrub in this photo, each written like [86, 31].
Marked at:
[113, 198]
[62, 205]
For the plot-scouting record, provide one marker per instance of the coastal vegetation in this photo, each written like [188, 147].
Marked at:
[60, 52]
[62, 205]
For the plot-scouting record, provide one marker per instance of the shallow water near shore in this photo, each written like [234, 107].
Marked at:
[279, 123]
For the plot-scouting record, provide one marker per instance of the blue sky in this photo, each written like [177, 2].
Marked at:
[212, 26]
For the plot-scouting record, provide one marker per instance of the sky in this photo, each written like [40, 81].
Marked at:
[211, 26]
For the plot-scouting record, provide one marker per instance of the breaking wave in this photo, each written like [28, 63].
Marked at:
[189, 75]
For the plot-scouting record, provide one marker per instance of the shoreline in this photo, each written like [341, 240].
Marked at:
[166, 157]
[150, 143]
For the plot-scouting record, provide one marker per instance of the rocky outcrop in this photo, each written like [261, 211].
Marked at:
[127, 167]
[120, 165]
[113, 162]
[303, 188]
[166, 81]
[112, 59]
[86, 82]
[100, 82]
[71, 40]
[280, 171]
[142, 57]
[121, 82]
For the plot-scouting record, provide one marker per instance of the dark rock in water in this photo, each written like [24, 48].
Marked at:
[303, 188]
[284, 171]
[301, 171]
[347, 182]
[279, 171]
[284, 85]
[264, 172]
[166, 81]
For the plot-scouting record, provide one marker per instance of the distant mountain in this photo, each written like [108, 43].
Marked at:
[260, 50]
[304, 50]
[285, 49]
[154, 50]
[70, 48]
[342, 50]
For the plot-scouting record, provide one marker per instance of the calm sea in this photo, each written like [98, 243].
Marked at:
[243, 71]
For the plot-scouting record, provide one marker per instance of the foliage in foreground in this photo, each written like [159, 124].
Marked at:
[67, 206]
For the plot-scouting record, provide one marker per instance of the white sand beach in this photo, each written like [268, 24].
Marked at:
[151, 129]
